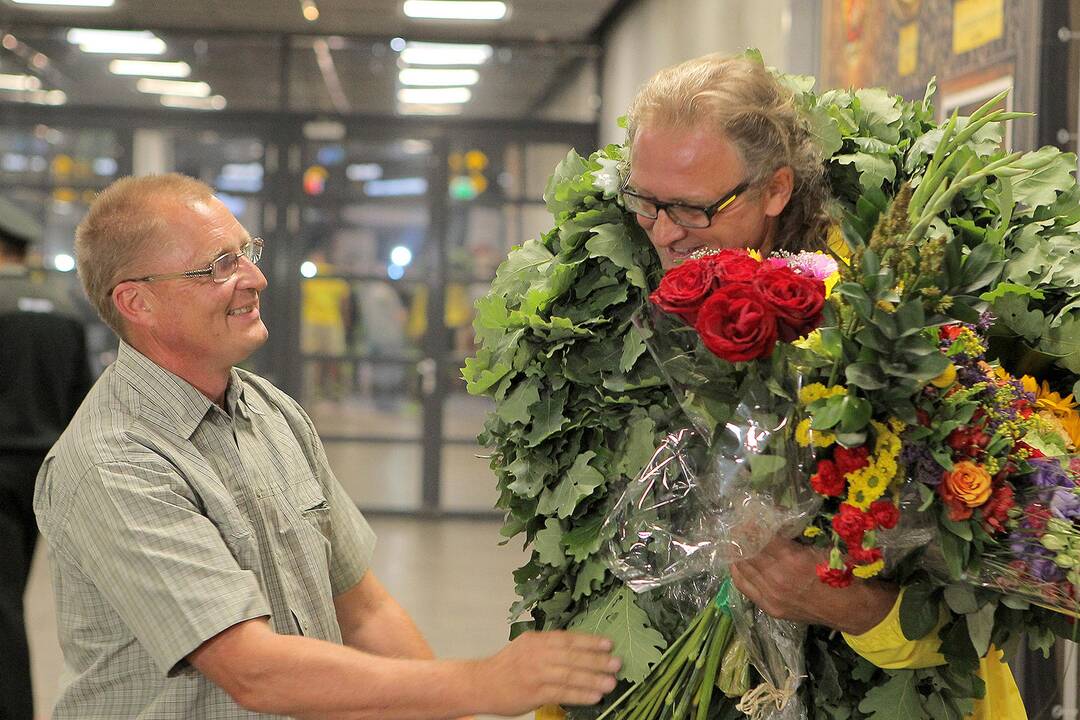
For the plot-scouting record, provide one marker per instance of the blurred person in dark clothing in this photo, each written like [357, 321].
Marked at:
[44, 375]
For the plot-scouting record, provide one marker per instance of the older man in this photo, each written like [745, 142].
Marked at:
[206, 561]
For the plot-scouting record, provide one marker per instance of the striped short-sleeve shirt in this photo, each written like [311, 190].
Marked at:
[170, 519]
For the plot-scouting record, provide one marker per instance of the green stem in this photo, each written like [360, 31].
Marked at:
[946, 198]
[717, 643]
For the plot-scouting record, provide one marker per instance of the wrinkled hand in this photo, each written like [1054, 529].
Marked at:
[548, 668]
[782, 581]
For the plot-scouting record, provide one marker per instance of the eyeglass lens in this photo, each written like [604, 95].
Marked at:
[225, 266]
[680, 214]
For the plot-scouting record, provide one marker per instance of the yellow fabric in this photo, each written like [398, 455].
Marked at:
[550, 712]
[885, 646]
[322, 301]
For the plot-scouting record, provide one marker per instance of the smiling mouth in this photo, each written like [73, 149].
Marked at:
[242, 310]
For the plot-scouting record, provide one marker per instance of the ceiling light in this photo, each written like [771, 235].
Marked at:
[418, 53]
[396, 187]
[19, 82]
[436, 96]
[116, 42]
[310, 11]
[215, 102]
[359, 172]
[173, 87]
[455, 9]
[68, 3]
[438, 76]
[428, 109]
[397, 44]
[151, 68]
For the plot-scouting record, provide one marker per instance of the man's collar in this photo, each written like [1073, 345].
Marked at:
[176, 399]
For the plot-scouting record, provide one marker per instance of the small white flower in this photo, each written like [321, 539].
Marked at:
[606, 179]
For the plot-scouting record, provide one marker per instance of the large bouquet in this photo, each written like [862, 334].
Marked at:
[902, 416]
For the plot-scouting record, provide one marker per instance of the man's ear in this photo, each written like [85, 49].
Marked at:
[134, 302]
[778, 190]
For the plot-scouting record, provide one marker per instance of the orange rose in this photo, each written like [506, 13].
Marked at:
[967, 483]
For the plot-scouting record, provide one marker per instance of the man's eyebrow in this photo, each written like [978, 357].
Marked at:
[228, 249]
[675, 201]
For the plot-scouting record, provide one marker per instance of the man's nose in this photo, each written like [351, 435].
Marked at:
[665, 231]
[249, 275]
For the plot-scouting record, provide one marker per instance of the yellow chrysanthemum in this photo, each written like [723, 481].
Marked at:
[897, 425]
[816, 391]
[811, 531]
[806, 437]
[868, 571]
[754, 254]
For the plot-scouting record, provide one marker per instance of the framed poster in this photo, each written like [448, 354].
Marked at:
[967, 93]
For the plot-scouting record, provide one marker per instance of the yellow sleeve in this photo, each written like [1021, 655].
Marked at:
[886, 647]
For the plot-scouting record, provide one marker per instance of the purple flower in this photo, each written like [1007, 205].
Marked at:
[920, 463]
[1048, 473]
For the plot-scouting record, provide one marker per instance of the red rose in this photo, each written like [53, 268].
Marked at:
[849, 460]
[733, 265]
[850, 523]
[797, 299]
[684, 288]
[736, 324]
[832, 577]
[864, 556]
[885, 513]
[827, 480]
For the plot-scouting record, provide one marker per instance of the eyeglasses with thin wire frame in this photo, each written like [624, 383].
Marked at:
[688, 216]
[221, 270]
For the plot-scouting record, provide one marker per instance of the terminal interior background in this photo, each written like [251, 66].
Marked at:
[387, 198]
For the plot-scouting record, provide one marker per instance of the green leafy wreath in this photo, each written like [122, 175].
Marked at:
[581, 406]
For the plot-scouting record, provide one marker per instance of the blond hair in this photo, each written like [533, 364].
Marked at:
[127, 222]
[738, 97]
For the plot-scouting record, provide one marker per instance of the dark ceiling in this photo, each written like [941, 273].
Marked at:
[245, 49]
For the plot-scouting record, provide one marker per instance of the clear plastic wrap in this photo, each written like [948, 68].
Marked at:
[715, 492]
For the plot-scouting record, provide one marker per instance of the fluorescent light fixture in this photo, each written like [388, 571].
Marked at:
[360, 172]
[420, 53]
[19, 82]
[455, 9]
[428, 109]
[150, 68]
[434, 96]
[215, 102]
[68, 3]
[186, 88]
[438, 76]
[396, 187]
[116, 42]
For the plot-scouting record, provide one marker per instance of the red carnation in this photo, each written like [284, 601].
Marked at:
[827, 480]
[850, 523]
[864, 556]
[798, 300]
[736, 324]
[951, 332]
[885, 513]
[832, 577]
[848, 460]
[732, 265]
[996, 510]
[684, 288]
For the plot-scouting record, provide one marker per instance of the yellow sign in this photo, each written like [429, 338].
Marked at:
[907, 51]
[977, 22]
